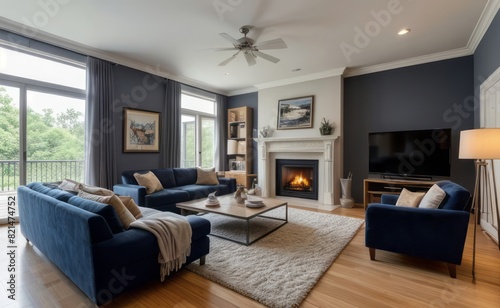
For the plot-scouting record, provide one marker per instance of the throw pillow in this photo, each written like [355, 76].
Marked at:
[409, 199]
[150, 181]
[206, 176]
[131, 206]
[124, 215]
[97, 191]
[70, 185]
[432, 198]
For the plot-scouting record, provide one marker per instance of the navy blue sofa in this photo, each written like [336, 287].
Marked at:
[435, 234]
[179, 186]
[86, 241]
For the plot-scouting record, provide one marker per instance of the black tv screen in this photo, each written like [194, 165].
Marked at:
[419, 153]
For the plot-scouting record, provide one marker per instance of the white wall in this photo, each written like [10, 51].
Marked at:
[328, 101]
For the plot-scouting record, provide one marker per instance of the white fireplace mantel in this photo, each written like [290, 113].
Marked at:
[320, 148]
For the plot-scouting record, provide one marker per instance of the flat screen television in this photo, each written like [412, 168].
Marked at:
[418, 153]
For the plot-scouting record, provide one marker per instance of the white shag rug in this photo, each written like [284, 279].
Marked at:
[280, 269]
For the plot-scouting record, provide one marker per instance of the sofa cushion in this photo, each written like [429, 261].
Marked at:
[185, 176]
[148, 180]
[166, 196]
[206, 176]
[49, 190]
[105, 210]
[166, 177]
[198, 191]
[433, 198]
[409, 199]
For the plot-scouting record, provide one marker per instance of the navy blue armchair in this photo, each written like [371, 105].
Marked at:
[435, 234]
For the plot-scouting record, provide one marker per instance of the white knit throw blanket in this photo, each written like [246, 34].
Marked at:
[173, 233]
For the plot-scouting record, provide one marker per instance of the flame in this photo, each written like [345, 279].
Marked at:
[299, 181]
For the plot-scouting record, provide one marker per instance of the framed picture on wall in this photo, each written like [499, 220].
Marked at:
[141, 130]
[295, 112]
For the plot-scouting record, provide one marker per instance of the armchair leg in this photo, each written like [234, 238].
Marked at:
[452, 268]
[372, 253]
[202, 260]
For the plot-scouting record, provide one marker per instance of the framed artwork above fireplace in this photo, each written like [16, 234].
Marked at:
[295, 112]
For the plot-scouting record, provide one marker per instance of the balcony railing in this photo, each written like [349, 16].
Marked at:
[40, 171]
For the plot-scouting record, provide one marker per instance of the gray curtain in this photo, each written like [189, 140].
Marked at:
[220, 133]
[171, 126]
[100, 168]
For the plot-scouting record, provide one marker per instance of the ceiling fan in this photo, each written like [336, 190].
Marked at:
[251, 50]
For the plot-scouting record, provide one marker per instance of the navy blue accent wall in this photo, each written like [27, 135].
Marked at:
[424, 96]
[139, 90]
[486, 59]
[250, 100]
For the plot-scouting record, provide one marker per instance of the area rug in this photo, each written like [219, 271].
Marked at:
[280, 269]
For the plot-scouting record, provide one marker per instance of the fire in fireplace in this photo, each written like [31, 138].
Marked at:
[297, 178]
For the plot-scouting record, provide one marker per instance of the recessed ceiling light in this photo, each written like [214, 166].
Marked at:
[226, 73]
[404, 31]
[296, 69]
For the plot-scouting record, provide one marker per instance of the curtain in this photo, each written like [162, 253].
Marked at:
[100, 168]
[171, 126]
[220, 133]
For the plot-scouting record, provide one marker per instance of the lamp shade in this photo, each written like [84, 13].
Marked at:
[481, 143]
[232, 147]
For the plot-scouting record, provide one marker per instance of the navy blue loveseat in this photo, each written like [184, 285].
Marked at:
[86, 241]
[179, 186]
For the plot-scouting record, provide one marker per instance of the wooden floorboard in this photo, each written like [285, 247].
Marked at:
[392, 280]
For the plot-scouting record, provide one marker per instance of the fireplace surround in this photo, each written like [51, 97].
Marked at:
[308, 148]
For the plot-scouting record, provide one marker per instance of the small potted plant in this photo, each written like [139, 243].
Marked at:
[325, 127]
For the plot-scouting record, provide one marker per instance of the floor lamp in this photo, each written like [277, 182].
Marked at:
[481, 144]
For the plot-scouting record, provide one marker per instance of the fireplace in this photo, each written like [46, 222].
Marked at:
[297, 178]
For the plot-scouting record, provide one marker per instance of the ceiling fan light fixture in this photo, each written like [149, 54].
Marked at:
[404, 31]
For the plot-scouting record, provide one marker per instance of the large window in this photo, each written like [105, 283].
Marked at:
[197, 129]
[42, 120]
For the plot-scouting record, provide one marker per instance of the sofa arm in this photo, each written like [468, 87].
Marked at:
[230, 182]
[137, 192]
[436, 234]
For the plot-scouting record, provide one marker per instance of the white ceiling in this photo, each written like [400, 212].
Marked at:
[173, 38]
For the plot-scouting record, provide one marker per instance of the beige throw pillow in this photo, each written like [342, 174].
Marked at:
[206, 176]
[124, 215]
[70, 185]
[409, 199]
[97, 191]
[150, 181]
[131, 206]
[432, 198]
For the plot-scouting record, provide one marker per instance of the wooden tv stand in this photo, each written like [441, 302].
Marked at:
[374, 188]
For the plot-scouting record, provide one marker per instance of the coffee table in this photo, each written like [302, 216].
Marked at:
[229, 207]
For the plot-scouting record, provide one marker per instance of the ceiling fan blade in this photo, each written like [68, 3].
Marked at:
[231, 58]
[250, 58]
[230, 38]
[271, 44]
[266, 56]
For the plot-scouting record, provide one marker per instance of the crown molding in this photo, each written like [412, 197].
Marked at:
[303, 78]
[489, 12]
[243, 91]
[460, 52]
[48, 38]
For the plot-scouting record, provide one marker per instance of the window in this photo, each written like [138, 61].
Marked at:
[42, 120]
[197, 128]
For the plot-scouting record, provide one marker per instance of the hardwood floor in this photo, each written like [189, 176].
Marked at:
[393, 280]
